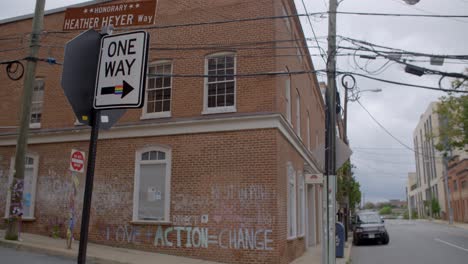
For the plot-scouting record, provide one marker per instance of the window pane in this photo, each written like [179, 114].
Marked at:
[221, 88]
[158, 106]
[151, 95]
[211, 64]
[167, 94]
[159, 82]
[220, 100]
[211, 101]
[161, 155]
[229, 100]
[151, 107]
[230, 87]
[230, 62]
[167, 81]
[211, 89]
[145, 156]
[166, 105]
[152, 192]
[159, 94]
[152, 83]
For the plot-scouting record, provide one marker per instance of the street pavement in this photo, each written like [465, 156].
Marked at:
[416, 242]
[9, 255]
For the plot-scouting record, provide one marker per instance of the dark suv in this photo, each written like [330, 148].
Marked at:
[369, 226]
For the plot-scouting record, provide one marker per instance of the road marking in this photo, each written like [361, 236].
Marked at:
[450, 244]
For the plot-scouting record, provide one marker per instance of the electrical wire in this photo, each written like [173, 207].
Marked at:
[324, 56]
[405, 84]
[390, 134]
[399, 15]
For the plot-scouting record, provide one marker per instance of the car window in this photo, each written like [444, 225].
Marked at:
[369, 218]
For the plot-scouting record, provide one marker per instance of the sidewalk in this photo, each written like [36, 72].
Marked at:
[444, 222]
[314, 255]
[95, 253]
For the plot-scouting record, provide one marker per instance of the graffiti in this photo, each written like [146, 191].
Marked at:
[193, 237]
[191, 202]
[254, 192]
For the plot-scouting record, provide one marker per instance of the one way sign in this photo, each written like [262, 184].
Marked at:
[121, 75]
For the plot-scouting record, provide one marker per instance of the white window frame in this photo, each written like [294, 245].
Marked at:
[223, 109]
[164, 114]
[308, 130]
[35, 167]
[301, 205]
[138, 163]
[298, 114]
[291, 208]
[288, 99]
[36, 125]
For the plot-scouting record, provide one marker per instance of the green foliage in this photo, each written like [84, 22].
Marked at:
[348, 186]
[453, 112]
[435, 207]
[406, 215]
[369, 206]
[386, 210]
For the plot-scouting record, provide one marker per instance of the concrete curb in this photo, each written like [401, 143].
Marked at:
[59, 252]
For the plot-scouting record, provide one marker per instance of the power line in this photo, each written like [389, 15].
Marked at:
[406, 84]
[324, 56]
[390, 134]
[400, 15]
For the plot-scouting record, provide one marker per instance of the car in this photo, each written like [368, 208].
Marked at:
[370, 226]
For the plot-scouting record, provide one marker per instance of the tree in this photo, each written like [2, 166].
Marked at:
[453, 113]
[348, 186]
[435, 207]
[386, 210]
[369, 206]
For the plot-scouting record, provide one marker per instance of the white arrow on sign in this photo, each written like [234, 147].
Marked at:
[121, 75]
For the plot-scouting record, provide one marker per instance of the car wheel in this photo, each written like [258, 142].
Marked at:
[385, 239]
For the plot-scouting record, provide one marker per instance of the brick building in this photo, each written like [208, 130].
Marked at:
[210, 168]
[458, 184]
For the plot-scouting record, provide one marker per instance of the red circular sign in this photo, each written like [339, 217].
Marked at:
[77, 161]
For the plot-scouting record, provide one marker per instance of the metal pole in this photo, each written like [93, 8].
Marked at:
[88, 186]
[22, 142]
[330, 148]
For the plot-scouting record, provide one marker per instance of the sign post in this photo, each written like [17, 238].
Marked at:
[120, 84]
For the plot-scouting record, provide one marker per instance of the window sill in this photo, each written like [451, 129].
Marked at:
[301, 236]
[155, 115]
[148, 222]
[219, 110]
[291, 238]
[35, 125]
[24, 219]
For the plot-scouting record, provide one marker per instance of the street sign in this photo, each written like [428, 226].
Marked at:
[121, 74]
[77, 160]
[116, 14]
[79, 77]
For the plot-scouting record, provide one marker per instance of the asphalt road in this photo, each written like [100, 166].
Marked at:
[8, 255]
[415, 242]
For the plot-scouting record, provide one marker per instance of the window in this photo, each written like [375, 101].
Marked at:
[29, 186]
[220, 91]
[298, 115]
[291, 201]
[288, 99]
[308, 130]
[159, 91]
[301, 205]
[464, 185]
[455, 186]
[36, 104]
[151, 196]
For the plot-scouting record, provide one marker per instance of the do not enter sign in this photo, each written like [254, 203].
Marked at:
[77, 160]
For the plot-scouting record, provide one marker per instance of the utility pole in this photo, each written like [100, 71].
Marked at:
[329, 254]
[16, 188]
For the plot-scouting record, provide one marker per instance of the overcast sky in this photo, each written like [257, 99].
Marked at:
[382, 163]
